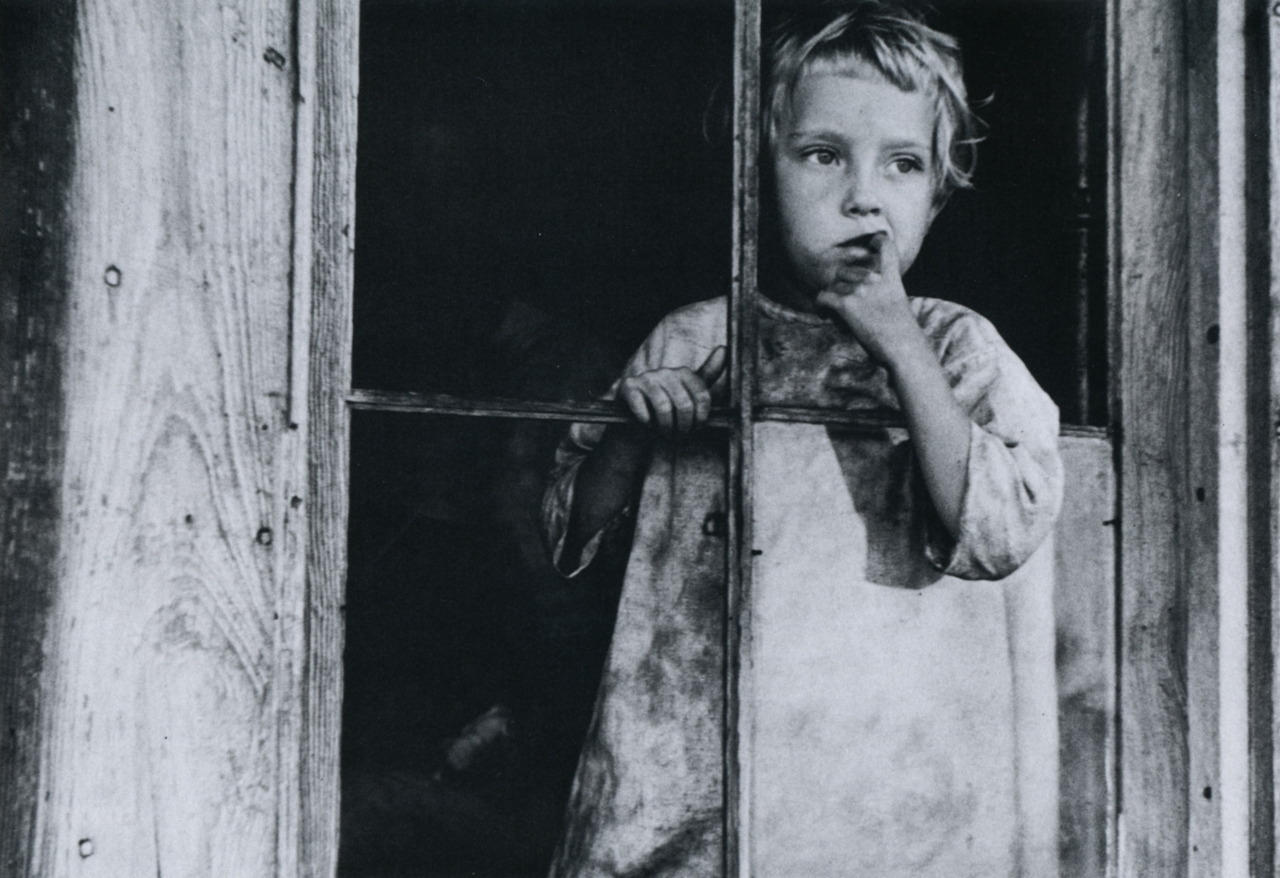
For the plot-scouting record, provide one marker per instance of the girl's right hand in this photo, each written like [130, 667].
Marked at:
[675, 401]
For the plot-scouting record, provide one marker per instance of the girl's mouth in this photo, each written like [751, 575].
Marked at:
[862, 251]
[859, 258]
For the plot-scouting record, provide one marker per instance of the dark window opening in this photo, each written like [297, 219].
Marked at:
[536, 189]
[1026, 247]
[539, 183]
[471, 666]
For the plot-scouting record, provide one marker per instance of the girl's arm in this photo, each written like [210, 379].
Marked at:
[991, 466]
[666, 402]
[939, 428]
[876, 309]
[605, 482]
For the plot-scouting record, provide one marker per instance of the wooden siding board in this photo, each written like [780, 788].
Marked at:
[1200, 529]
[1183, 389]
[162, 741]
[1150, 170]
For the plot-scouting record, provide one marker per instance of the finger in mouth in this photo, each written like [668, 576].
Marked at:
[862, 251]
[855, 273]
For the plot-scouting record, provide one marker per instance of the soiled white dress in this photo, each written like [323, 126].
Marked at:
[902, 715]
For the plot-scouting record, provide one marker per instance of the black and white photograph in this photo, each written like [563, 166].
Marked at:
[639, 438]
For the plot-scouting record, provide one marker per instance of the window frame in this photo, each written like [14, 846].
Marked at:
[327, 71]
[1164, 127]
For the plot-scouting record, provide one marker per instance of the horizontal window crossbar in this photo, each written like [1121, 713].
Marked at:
[592, 411]
[609, 412]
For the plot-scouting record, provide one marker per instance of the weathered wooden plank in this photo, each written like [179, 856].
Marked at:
[290, 631]
[1149, 172]
[1228, 349]
[36, 91]
[1264, 92]
[1200, 521]
[335, 35]
[1084, 606]
[1185, 409]
[162, 751]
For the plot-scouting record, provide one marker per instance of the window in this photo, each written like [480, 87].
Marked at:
[538, 184]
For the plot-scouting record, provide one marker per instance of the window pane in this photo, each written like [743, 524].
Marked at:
[900, 718]
[539, 182]
[472, 667]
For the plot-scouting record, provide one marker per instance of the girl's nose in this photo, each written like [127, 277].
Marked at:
[861, 196]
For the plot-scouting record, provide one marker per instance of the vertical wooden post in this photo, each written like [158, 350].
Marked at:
[1149, 241]
[1203, 537]
[1180, 226]
[174, 712]
[333, 29]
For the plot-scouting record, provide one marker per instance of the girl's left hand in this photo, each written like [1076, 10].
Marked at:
[869, 297]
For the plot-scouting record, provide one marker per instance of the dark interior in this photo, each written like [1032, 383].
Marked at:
[538, 183]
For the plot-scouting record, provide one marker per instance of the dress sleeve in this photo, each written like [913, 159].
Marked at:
[1013, 484]
[685, 337]
[557, 501]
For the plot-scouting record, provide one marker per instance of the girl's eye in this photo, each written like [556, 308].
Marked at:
[907, 164]
[822, 156]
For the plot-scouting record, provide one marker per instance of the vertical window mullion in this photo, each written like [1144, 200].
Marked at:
[742, 341]
[333, 27]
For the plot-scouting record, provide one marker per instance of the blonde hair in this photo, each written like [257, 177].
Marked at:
[840, 37]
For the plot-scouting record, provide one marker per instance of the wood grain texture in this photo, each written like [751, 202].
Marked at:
[1186, 412]
[1150, 265]
[173, 701]
[1202, 535]
[1266, 273]
[1084, 606]
[1263, 110]
[36, 92]
[334, 33]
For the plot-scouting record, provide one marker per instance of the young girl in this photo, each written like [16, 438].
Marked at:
[902, 711]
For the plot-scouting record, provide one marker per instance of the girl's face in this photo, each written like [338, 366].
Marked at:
[853, 157]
